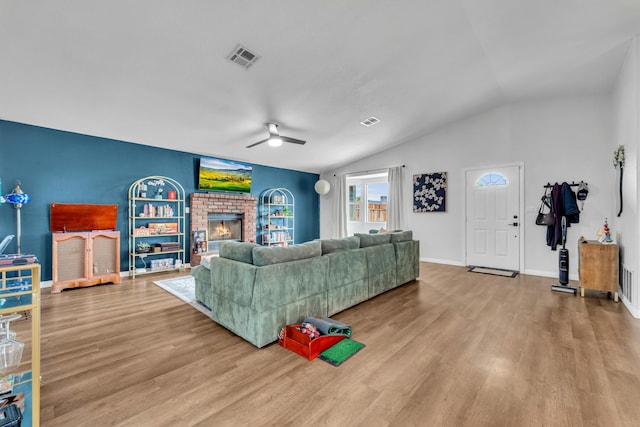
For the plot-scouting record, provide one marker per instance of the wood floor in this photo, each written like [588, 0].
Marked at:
[451, 349]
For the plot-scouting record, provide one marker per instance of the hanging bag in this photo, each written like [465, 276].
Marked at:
[547, 218]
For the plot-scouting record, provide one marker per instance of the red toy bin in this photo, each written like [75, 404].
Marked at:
[303, 345]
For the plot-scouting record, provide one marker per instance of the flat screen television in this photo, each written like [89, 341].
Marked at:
[224, 175]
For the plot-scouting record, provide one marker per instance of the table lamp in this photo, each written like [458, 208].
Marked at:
[17, 198]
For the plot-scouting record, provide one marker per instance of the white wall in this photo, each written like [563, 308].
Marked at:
[626, 108]
[561, 139]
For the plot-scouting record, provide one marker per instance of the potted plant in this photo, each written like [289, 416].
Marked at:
[287, 212]
[143, 247]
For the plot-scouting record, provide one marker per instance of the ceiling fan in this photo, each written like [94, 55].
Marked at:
[275, 140]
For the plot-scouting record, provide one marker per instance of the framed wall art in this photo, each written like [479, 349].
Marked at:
[430, 192]
[199, 241]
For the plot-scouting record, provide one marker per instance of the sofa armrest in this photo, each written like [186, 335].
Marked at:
[408, 261]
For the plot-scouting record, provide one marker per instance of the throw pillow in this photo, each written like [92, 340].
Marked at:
[205, 261]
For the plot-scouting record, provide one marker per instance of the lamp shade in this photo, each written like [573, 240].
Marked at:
[17, 198]
[322, 187]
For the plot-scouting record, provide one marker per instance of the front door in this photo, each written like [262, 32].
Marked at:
[493, 218]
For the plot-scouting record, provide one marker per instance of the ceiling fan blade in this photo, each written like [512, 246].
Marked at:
[257, 143]
[293, 140]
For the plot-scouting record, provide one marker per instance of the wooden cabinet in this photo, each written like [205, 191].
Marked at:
[20, 291]
[598, 266]
[276, 217]
[85, 258]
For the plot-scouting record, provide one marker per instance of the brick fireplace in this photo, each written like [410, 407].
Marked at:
[205, 204]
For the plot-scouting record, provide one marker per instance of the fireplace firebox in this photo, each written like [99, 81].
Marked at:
[223, 226]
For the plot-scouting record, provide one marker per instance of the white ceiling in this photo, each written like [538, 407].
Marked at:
[155, 72]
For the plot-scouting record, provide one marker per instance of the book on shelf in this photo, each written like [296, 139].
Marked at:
[152, 211]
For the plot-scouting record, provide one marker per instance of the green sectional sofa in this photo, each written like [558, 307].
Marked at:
[254, 290]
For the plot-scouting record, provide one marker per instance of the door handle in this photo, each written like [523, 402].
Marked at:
[515, 224]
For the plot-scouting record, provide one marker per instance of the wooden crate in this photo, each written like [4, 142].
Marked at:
[303, 345]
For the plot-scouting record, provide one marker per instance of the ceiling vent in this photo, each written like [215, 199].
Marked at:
[370, 121]
[242, 56]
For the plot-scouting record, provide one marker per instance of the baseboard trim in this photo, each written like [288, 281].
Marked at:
[634, 311]
[442, 261]
[545, 273]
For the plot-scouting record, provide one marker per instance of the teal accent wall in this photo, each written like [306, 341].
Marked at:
[65, 167]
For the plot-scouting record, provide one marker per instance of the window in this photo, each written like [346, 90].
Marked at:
[377, 195]
[368, 196]
[491, 178]
[355, 198]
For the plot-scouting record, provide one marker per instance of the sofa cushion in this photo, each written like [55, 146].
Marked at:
[277, 254]
[238, 251]
[367, 240]
[336, 245]
[402, 236]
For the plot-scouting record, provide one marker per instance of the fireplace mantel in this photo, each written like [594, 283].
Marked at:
[203, 204]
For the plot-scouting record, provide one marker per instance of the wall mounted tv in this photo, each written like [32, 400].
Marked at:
[224, 175]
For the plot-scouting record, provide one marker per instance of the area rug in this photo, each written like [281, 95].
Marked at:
[338, 353]
[494, 271]
[185, 289]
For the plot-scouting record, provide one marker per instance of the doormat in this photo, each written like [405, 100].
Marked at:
[494, 271]
[341, 351]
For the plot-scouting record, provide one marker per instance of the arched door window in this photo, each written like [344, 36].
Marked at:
[491, 178]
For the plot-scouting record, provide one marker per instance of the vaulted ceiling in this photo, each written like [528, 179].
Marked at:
[156, 72]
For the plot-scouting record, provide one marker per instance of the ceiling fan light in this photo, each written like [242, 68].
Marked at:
[274, 141]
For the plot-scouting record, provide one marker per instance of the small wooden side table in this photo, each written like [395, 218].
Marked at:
[598, 267]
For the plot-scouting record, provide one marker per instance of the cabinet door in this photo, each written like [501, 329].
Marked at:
[70, 252]
[104, 256]
[598, 266]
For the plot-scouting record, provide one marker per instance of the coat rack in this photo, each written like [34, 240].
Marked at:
[573, 184]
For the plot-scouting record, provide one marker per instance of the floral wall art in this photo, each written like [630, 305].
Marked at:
[430, 192]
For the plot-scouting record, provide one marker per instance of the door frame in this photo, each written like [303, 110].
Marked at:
[520, 166]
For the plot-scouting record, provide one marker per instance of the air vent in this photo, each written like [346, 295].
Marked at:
[370, 121]
[626, 283]
[242, 56]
